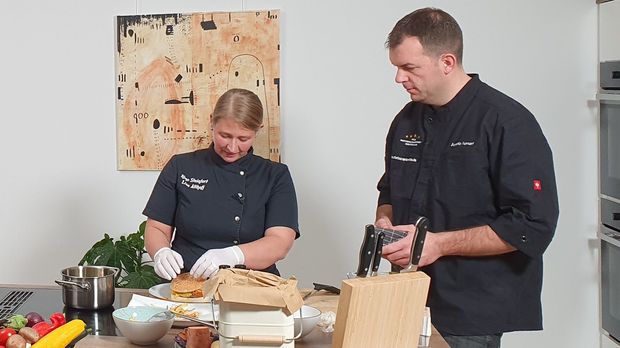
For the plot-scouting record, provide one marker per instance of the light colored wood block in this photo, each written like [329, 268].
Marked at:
[381, 311]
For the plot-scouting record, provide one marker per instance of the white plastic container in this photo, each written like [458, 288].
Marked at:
[254, 323]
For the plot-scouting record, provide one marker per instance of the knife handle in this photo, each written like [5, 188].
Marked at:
[378, 252]
[418, 242]
[366, 251]
[328, 288]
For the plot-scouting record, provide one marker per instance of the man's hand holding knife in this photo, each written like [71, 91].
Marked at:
[399, 252]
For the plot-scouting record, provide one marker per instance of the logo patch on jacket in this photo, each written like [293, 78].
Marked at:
[411, 139]
[537, 185]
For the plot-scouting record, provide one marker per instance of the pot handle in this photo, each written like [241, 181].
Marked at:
[83, 286]
[116, 270]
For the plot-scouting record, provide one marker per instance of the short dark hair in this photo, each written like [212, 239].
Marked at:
[437, 31]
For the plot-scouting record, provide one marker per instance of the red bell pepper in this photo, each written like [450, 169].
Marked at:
[43, 328]
[5, 334]
[57, 319]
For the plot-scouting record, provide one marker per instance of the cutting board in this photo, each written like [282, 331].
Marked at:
[381, 311]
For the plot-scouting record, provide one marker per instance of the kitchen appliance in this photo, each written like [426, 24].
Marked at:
[609, 162]
[88, 287]
[610, 268]
[609, 147]
[610, 75]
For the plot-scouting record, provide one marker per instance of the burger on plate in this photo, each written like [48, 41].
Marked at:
[186, 288]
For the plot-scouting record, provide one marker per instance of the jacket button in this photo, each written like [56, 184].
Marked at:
[523, 239]
[242, 173]
[235, 242]
[237, 218]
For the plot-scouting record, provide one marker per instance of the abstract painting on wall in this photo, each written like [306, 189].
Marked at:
[170, 71]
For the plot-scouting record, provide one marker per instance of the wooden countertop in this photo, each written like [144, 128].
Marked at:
[316, 339]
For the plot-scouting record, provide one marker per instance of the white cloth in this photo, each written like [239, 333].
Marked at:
[139, 300]
[209, 263]
[168, 263]
[327, 321]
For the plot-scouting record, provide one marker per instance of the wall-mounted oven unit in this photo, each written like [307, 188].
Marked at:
[610, 268]
[609, 99]
[609, 166]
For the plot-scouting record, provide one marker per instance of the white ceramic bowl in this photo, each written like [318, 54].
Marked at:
[309, 318]
[132, 323]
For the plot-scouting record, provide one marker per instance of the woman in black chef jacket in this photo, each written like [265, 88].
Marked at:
[224, 205]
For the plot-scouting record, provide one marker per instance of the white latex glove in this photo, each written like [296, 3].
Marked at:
[209, 263]
[168, 263]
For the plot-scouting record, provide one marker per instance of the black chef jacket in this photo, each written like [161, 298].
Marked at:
[214, 204]
[481, 159]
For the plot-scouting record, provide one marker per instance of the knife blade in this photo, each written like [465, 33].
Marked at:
[391, 236]
[378, 252]
[366, 251]
[417, 245]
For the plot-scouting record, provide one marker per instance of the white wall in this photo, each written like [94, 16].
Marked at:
[60, 191]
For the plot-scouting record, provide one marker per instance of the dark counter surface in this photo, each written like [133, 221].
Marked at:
[48, 299]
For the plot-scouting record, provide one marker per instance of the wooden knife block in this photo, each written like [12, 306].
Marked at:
[382, 311]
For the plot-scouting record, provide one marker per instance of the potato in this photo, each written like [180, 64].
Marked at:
[29, 334]
[16, 341]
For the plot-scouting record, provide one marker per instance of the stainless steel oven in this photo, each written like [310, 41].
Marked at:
[610, 146]
[609, 167]
[610, 268]
[609, 99]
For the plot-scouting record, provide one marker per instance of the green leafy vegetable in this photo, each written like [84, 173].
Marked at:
[126, 254]
[16, 322]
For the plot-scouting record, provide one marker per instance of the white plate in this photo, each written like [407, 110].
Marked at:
[163, 300]
[161, 291]
[204, 313]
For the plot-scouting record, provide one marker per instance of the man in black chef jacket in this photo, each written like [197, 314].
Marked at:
[476, 163]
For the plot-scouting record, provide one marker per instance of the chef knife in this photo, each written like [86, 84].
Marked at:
[417, 245]
[366, 251]
[321, 287]
[328, 288]
[391, 236]
[378, 251]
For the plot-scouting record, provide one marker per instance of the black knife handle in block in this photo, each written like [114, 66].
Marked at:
[328, 288]
[420, 235]
[378, 252]
[366, 251]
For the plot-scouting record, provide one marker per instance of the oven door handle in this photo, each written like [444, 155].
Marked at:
[610, 237]
[609, 98]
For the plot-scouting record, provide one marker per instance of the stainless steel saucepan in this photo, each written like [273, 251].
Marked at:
[88, 287]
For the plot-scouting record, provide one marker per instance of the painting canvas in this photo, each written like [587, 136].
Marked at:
[171, 69]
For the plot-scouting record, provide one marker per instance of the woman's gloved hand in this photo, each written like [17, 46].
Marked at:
[210, 262]
[168, 263]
